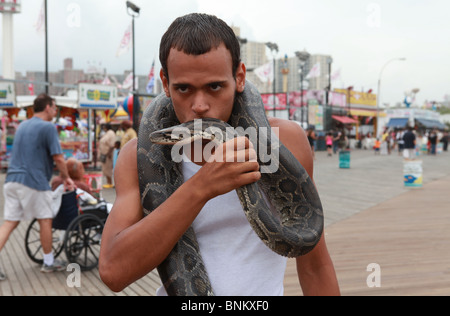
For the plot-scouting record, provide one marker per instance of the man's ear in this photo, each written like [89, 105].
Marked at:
[240, 78]
[165, 83]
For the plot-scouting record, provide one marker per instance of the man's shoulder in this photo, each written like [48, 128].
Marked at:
[284, 124]
[289, 132]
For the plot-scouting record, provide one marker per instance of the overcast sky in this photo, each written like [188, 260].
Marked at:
[360, 35]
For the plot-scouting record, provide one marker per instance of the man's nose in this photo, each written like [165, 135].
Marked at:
[200, 104]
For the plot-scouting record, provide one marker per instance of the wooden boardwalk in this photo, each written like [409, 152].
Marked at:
[25, 279]
[370, 218]
[407, 237]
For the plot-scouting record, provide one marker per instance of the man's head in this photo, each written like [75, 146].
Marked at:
[41, 102]
[201, 69]
[45, 107]
[197, 34]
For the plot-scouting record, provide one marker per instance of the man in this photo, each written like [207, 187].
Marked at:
[27, 190]
[129, 134]
[433, 139]
[409, 139]
[201, 73]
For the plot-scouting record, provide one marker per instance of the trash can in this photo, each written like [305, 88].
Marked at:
[412, 173]
[344, 159]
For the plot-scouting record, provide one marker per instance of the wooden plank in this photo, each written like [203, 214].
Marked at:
[407, 236]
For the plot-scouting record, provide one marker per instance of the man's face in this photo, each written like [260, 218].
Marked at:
[202, 86]
[52, 111]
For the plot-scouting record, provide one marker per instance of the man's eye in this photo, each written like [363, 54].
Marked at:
[183, 89]
[215, 87]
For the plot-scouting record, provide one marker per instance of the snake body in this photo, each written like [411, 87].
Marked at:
[293, 230]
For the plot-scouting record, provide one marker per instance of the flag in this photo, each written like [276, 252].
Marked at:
[151, 79]
[106, 81]
[265, 72]
[125, 42]
[336, 75]
[40, 23]
[314, 72]
[128, 83]
[31, 88]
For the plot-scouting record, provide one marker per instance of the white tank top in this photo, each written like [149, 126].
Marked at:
[237, 261]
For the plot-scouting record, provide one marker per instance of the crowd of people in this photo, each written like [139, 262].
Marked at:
[409, 142]
[335, 140]
[110, 144]
[415, 141]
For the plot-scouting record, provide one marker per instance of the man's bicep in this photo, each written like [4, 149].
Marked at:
[127, 208]
[294, 138]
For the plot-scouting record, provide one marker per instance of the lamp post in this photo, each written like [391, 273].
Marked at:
[285, 72]
[134, 11]
[329, 109]
[273, 48]
[303, 57]
[379, 93]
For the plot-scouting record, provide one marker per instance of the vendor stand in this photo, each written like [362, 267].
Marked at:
[75, 119]
[8, 126]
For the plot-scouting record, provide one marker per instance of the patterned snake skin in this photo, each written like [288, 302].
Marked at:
[294, 229]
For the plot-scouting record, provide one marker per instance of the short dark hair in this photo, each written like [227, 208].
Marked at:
[197, 34]
[41, 102]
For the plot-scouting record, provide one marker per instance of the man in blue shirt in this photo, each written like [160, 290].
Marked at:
[27, 190]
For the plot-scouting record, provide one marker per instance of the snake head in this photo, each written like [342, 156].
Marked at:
[170, 136]
[207, 129]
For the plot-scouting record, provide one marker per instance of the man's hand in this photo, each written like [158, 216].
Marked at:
[69, 185]
[232, 165]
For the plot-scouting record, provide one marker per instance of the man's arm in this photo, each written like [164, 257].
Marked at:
[69, 185]
[315, 270]
[132, 245]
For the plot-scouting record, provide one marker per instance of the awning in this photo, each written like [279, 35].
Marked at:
[344, 119]
[431, 123]
[398, 122]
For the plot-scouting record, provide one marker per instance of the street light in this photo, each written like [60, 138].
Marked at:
[303, 57]
[273, 48]
[134, 11]
[379, 94]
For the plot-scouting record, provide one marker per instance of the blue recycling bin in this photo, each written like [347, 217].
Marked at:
[344, 159]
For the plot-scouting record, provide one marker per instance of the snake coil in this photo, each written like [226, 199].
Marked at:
[293, 231]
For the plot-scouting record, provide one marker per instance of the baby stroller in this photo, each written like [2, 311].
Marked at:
[77, 230]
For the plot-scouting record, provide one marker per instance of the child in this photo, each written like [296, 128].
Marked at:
[329, 143]
[377, 146]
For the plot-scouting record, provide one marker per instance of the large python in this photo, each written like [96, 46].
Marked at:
[294, 229]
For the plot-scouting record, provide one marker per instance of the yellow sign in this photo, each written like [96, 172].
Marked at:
[360, 98]
[369, 113]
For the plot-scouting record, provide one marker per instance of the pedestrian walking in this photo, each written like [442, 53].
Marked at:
[27, 189]
[329, 143]
[410, 144]
[106, 148]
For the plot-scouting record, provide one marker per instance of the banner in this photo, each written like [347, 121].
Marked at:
[40, 23]
[315, 115]
[337, 99]
[151, 79]
[99, 97]
[295, 97]
[265, 72]
[125, 43]
[280, 101]
[360, 98]
[314, 72]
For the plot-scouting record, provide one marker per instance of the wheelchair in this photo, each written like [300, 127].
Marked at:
[77, 230]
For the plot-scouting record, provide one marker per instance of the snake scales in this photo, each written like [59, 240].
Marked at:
[293, 231]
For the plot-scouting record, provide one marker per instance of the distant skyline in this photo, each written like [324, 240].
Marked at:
[360, 35]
